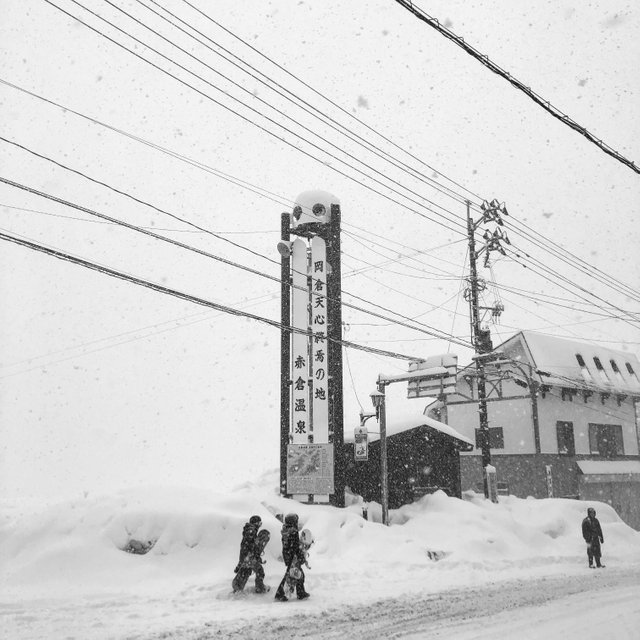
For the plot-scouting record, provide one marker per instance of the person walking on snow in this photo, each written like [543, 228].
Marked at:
[294, 557]
[592, 534]
[250, 556]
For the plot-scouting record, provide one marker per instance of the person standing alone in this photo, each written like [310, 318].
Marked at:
[592, 534]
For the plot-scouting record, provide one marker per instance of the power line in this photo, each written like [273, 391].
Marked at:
[280, 199]
[560, 252]
[80, 5]
[132, 197]
[246, 119]
[208, 318]
[178, 218]
[306, 106]
[540, 299]
[326, 99]
[492, 66]
[187, 297]
[562, 278]
[422, 328]
[59, 215]
[401, 258]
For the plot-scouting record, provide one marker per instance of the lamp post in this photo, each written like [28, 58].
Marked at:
[378, 399]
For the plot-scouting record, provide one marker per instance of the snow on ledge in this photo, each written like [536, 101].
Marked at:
[609, 466]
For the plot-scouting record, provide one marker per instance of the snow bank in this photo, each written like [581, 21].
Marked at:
[78, 546]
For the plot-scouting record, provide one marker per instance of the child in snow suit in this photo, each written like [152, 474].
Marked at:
[294, 557]
[592, 534]
[250, 556]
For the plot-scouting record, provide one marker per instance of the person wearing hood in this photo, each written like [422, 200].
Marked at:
[250, 560]
[294, 557]
[592, 534]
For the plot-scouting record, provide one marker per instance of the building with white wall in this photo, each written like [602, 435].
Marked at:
[563, 418]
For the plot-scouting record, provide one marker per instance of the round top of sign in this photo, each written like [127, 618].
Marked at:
[313, 207]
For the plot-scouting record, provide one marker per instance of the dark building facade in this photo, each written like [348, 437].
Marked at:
[420, 460]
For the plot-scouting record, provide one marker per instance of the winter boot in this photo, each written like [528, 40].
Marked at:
[261, 587]
[281, 597]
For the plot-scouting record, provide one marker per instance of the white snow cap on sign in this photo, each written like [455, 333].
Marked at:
[308, 200]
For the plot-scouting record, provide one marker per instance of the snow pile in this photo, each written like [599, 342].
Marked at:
[79, 546]
[65, 572]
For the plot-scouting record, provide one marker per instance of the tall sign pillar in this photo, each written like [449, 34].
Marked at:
[312, 441]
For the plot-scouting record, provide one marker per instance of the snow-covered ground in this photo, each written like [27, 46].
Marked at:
[515, 569]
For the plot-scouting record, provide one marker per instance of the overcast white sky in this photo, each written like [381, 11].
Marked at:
[104, 384]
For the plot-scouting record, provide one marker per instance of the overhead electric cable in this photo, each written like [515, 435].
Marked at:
[187, 297]
[324, 97]
[422, 328]
[132, 197]
[540, 299]
[275, 197]
[492, 66]
[246, 119]
[458, 295]
[208, 317]
[552, 274]
[259, 99]
[115, 221]
[299, 102]
[578, 263]
[174, 154]
[400, 258]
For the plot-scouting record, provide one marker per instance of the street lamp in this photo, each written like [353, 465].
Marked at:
[378, 400]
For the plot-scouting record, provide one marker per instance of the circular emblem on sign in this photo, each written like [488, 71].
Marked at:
[318, 210]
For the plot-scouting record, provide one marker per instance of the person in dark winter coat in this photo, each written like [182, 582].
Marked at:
[294, 557]
[250, 557]
[592, 534]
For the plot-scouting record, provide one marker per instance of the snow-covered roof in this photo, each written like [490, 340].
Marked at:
[569, 361]
[420, 420]
[608, 467]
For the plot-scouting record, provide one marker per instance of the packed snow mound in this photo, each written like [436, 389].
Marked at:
[194, 535]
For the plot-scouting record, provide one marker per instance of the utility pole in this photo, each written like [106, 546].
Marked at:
[334, 350]
[481, 338]
[285, 347]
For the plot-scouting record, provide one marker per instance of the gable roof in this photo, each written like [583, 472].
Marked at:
[572, 363]
[419, 420]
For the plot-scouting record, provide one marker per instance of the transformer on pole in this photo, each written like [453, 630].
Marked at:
[481, 338]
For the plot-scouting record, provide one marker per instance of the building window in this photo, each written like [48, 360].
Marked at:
[632, 373]
[616, 371]
[566, 443]
[496, 438]
[606, 440]
[583, 368]
[600, 368]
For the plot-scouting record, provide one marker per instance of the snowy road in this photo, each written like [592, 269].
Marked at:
[598, 605]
